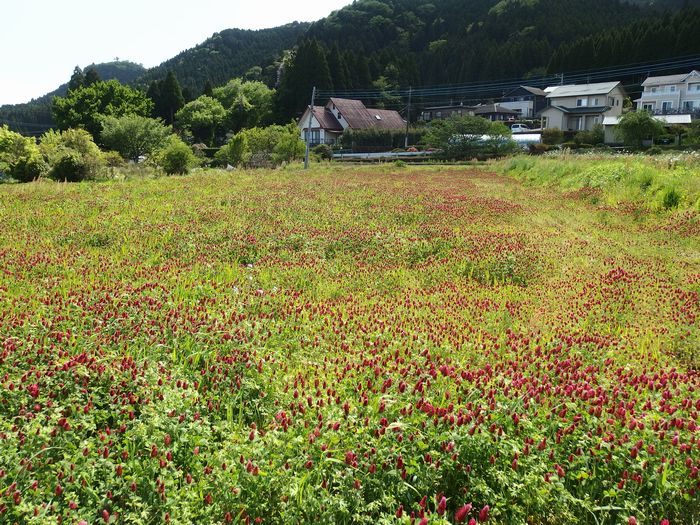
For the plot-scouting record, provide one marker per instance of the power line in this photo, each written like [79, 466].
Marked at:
[492, 87]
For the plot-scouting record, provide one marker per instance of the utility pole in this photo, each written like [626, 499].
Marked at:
[408, 116]
[308, 128]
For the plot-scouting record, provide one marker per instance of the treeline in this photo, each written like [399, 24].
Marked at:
[645, 40]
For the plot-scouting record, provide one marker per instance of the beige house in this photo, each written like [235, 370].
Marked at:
[671, 94]
[579, 107]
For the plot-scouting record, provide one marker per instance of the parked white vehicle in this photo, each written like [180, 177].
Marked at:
[519, 128]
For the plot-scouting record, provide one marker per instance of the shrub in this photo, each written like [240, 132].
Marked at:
[671, 198]
[19, 156]
[176, 157]
[233, 152]
[72, 155]
[539, 149]
[70, 167]
[552, 136]
[469, 137]
[592, 137]
[323, 151]
[133, 136]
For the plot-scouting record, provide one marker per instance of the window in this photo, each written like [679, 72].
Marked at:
[666, 105]
[545, 122]
[581, 102]
[595, 101]
[653, 90]
[673, 89]
[340, 116]
[689, 105]
[693, 87]
[611, 101]
[648, 107]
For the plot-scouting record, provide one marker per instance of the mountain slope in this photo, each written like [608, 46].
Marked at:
[229, 54]
[34, 117]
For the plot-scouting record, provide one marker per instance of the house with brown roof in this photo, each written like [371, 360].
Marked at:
[328, 122]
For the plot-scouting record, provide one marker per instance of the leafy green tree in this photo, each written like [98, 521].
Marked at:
[202, 118]
[175, 157]
[247, 104]
[87, 106]
[134, 135]
[637, 126]
[466, 137]
[20, 156]
[274, 144]
[71, 154]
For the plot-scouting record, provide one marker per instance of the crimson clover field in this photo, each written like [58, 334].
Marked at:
[349, 345]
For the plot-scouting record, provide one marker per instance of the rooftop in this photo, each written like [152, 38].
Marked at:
[575, 90]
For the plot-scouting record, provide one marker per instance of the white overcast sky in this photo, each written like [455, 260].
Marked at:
[41, 41]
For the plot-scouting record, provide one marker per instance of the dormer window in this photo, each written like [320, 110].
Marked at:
[339, 115]
[378, 117]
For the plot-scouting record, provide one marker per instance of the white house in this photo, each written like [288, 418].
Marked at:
[578, 107]
[328, 122]
[671, 94]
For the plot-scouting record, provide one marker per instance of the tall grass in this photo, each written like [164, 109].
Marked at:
[658, 183]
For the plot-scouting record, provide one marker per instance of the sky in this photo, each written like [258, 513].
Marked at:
[43, 40]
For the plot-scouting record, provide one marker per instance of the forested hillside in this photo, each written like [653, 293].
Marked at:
[229, 54]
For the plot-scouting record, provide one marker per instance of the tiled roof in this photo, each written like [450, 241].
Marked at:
[574, 90]
[669, 79]
[533, 90]
[388, 119]
[493, 108]
[360, 117]
[326, 119]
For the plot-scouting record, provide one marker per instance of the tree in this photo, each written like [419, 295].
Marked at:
[171, 98]
[307, 68]
[72, 155]
[202, 118]
[91, 76]
[175, 157]
[87, 106]
[20, 157]
[637, 126]
[77, 79]
[133, 135]
[247, 104]
[465, 137]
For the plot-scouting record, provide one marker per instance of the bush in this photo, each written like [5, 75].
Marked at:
[368, 140]
[671, 198]
[323, 151]
[592, 137]
[552, 136]
[539, 149]
[20, 157]
[233, 153]
[72, 155]
[176, 158]
[70, 167]
[469, 137]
